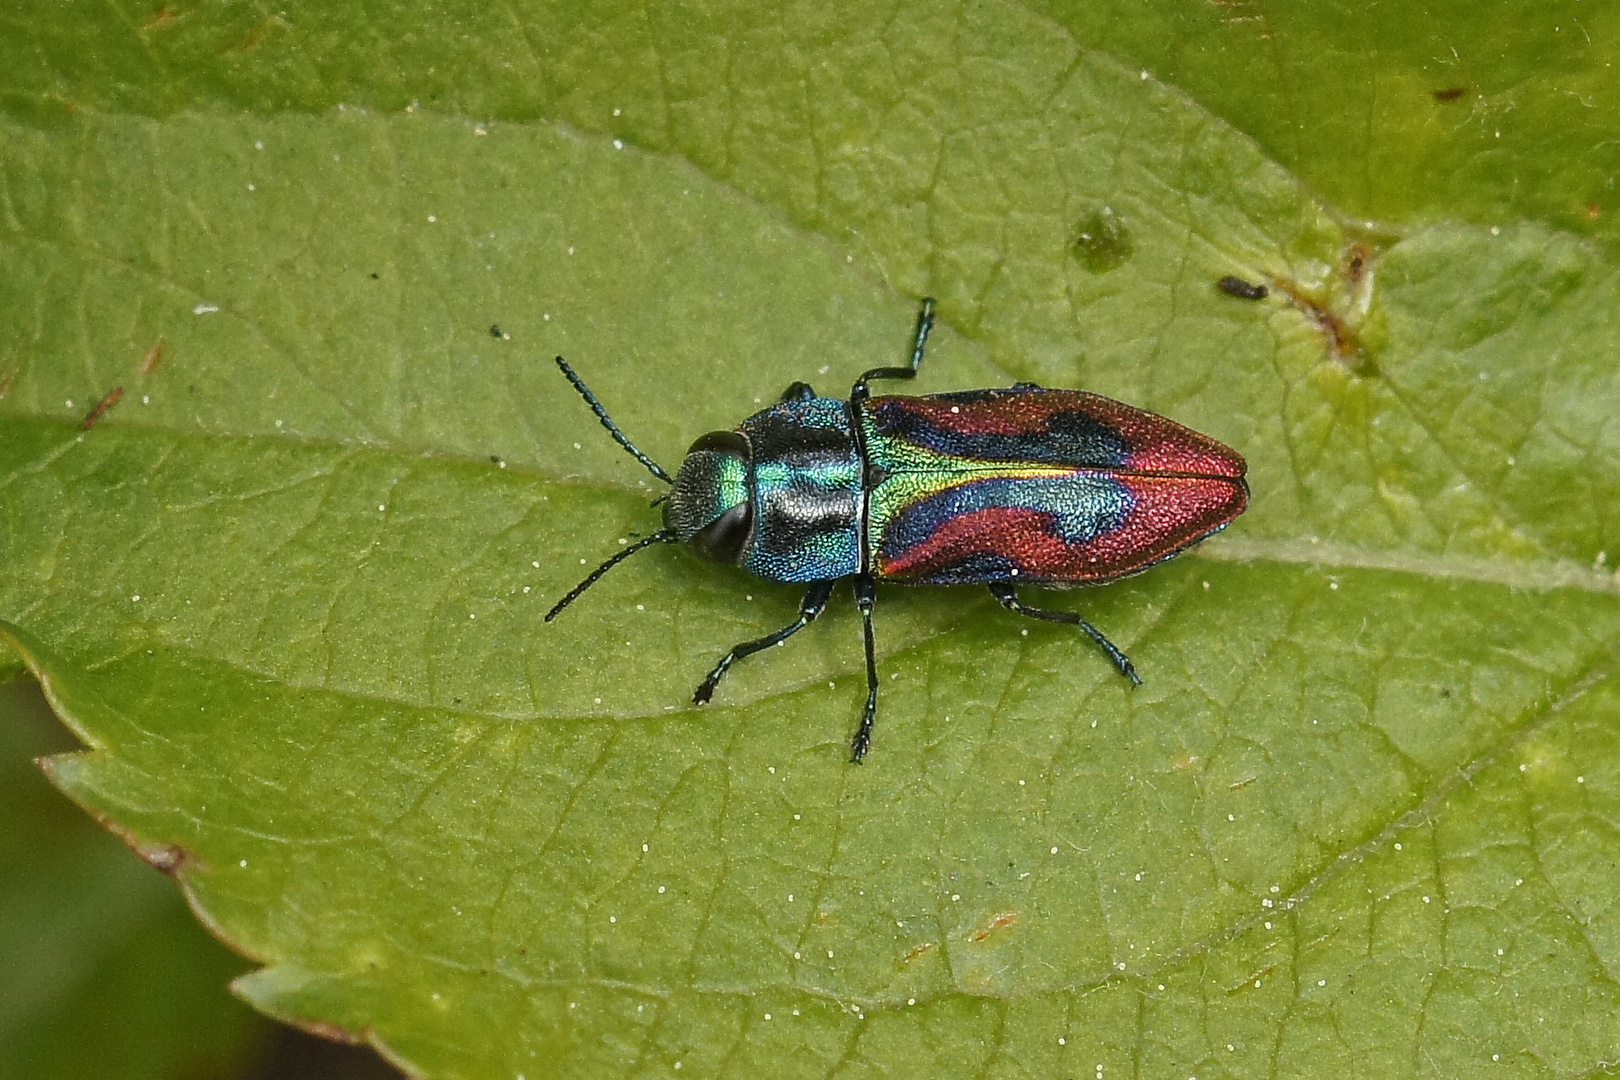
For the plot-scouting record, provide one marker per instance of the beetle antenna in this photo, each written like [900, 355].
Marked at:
[618, 437]
[662, 536]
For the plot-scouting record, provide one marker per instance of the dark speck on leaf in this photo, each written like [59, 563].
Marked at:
[375, 276]
[495, 331]
[1243, 290]
[1450, 93]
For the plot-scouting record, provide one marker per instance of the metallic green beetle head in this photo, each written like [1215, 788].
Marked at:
[710, 507]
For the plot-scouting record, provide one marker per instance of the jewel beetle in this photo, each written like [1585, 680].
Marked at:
[1022, 486]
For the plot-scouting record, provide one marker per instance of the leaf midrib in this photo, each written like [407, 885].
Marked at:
[1535, 575]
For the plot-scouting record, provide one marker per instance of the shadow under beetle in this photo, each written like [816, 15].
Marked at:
[1024, 486]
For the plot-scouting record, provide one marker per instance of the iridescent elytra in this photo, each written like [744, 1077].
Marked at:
[1002, 488]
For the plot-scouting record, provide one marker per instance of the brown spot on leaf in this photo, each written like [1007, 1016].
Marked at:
[153, 357]
[259, 33]
[1001, 921]
[6, 382]
[920, 950]
[1344, 344]
[93, 417]
[1356, 259]
[165, 858]
[1593, 211]
[1450, 93]
[161, 16]
[168, 859]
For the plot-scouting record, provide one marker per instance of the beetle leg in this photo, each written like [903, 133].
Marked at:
[925, 323]
[1004, 592]
[865, 598]
[1026, 386]
[799, 391]
[815, 599]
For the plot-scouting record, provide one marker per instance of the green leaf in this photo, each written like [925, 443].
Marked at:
[290, 589]
[1416, 114]
[90, 934]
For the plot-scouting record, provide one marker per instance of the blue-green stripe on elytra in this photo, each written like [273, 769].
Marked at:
[1081, 505]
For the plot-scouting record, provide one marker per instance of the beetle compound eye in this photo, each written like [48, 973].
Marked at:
[710, 489]
[723, 538]
[722, 442]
